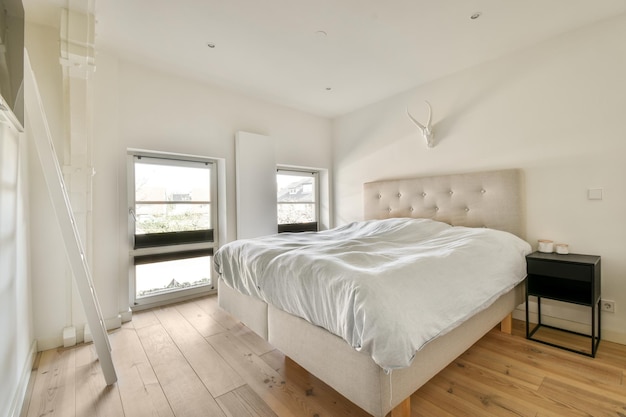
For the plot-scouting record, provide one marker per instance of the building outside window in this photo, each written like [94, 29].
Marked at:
[298, 200]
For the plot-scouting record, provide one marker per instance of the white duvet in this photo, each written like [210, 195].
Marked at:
[387, 287]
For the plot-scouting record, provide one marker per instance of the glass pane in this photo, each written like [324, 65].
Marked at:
[159, 218]
[295, 188]
[175, 198]
[170, 276]
[296, 213]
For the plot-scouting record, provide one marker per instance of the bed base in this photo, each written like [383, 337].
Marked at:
[354, 374]
[404, 408]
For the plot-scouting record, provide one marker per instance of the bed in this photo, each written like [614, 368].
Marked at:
[490, 200]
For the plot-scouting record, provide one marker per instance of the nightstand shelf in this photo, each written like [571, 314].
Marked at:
[569, 278]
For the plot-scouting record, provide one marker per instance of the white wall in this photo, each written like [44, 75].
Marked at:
[51, 283]
[17, 347]
[556, 111]
[139, 107]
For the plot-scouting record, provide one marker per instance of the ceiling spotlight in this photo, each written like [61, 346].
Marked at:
[210, 45]
[475, 16]
[328, 88]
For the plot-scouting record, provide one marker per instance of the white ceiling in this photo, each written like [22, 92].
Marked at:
[292, 51]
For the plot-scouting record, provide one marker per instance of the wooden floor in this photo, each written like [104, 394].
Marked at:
[193, 359]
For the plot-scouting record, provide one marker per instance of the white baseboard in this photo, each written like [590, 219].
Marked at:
[69, 336]
[127, 315]
[113, 322]
[615, 337]
[109, 324]
[608, 335]
[49, 343]
[20, 392]
[81, 334]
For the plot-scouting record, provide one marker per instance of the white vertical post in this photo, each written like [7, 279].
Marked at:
[77, 59]
[39, 131]
[256, 185]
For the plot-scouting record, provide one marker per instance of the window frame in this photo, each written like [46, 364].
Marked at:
[301, 227]
[178, 245]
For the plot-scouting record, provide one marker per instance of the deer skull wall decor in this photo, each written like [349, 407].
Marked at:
[427, 131]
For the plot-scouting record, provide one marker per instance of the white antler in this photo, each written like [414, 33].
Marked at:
[427, 131]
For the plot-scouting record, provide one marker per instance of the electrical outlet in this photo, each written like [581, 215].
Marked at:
[607, 305]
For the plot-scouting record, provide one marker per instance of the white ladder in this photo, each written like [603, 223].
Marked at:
[40, 132]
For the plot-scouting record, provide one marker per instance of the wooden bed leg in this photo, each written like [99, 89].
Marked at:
[403, 409]
[506, 325]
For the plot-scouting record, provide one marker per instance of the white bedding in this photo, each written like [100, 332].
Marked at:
[387, 287]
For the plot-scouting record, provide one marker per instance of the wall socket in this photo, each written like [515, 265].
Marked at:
[607, 305]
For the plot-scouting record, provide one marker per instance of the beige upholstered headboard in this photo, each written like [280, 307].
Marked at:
[491, 199]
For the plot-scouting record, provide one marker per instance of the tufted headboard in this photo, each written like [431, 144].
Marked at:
[491, 199]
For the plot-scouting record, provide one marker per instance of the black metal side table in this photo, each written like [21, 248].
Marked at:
[572, 278]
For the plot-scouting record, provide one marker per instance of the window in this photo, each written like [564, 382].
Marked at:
[297, 198]
[172, 213]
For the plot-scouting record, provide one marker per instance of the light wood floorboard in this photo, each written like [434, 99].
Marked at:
[194, 359]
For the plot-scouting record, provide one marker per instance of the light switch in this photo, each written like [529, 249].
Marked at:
[594, 194]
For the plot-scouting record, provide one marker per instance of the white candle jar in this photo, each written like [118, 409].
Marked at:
[545, 246]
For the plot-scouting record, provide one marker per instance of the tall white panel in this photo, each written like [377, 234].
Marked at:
[256, 185]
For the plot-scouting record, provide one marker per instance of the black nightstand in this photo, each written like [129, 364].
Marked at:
[571, 278]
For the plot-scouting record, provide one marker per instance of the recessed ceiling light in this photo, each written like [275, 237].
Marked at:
[475, 15]
[210, 45]
[328, 88]
[321, 34]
